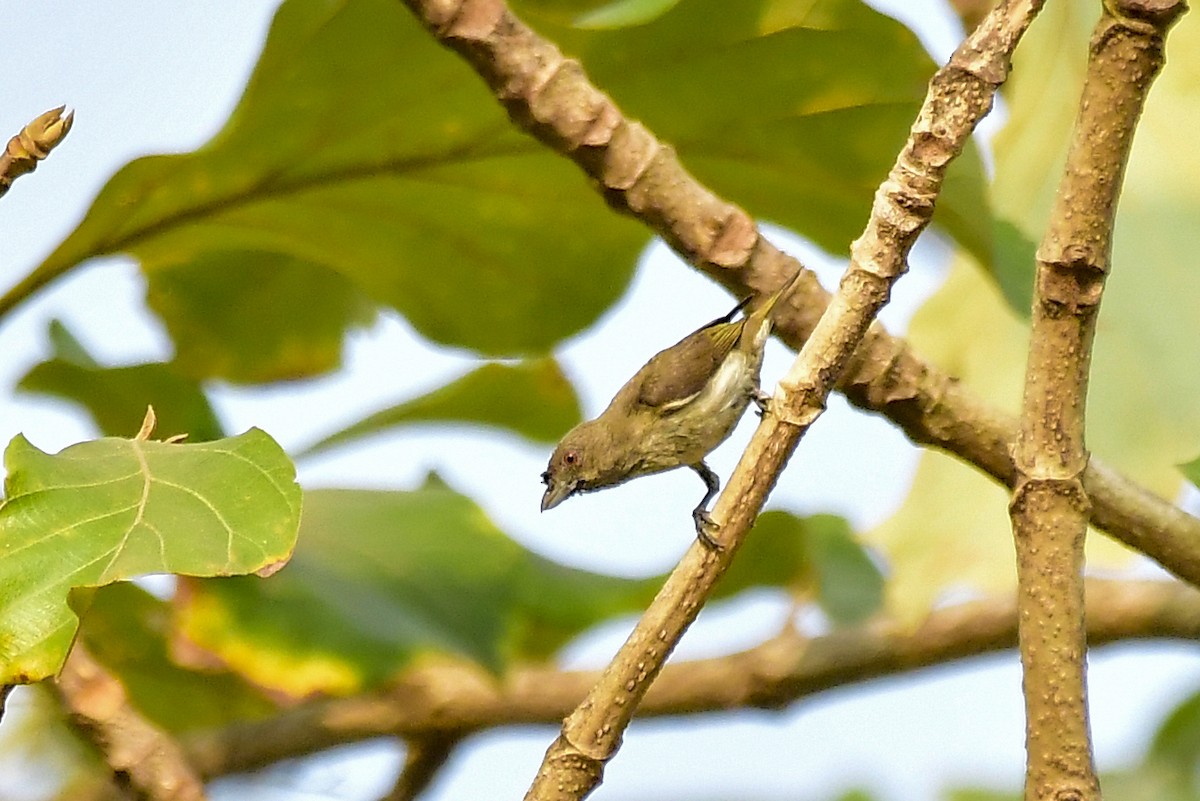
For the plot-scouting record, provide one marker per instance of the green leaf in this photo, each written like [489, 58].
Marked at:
[623, 13]
[296, 310]
[815, 555]
[114, 396]
[533, 399]
[1015, 263]
[1176, 744]
[379, 578]
[851, 584]
[127, 629]
[1192, 471]
[113, 509]
[370, 161]
[795, 111]
[776, 554]
[968, 330]
[1143, 418]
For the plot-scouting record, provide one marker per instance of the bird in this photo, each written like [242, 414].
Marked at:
[675, 410]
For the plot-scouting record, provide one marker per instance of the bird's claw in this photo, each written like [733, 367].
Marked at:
[762, 400]
[705, 526]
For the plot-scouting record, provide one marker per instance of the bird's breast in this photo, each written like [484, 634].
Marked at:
[688, 433]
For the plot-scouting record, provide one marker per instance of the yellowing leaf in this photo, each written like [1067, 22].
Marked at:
[952, 532]
[113, 509]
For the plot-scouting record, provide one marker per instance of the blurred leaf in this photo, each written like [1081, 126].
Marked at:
[1176, 744]
[816, 554]
[1149, 781]
[623, 13]
[1015, 261]
[856, 795]
[851, 585]
[557, 603]
[1042, 99]
[533, 399]
[795, 111]
[953, 532]
[127, 630]
[380, 577]
[776, 554]
[112, 509]
[116, 397]
[365, 160]
[1192, 471]
[370, 161]
[1148, 305]
[296, 310]
[975, 794]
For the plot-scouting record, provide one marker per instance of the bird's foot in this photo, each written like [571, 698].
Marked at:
[705, 528]
[762, 400]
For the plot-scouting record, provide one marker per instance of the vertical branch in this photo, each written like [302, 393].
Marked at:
[1050, 508]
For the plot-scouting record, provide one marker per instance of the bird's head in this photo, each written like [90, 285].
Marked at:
[582, 462]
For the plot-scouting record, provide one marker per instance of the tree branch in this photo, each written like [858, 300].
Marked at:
[641, 176]
[425, 756]
[32, 144]
[552, 97]
[1049, 505]
[142, 756]
[463, 698]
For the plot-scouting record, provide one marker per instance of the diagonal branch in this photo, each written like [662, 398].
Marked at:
[550, 97]
[1049, 506]
[560, 106]
[462, 698]
[141, 756]
[34, 142]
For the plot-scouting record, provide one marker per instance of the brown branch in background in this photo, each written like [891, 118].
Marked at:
[1049, 506]
[32, 144]
[143, 758]
[641, 176]
[424, 757]
[463, 698]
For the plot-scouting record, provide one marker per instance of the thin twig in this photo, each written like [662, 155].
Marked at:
[32, 144]
[464, 698]
[142, 757]
[1049, 504]
[641, 176]
[422, 761]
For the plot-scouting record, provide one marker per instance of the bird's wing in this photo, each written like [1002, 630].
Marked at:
[679, 373]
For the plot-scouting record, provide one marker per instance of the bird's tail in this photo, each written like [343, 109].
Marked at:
[758, 322]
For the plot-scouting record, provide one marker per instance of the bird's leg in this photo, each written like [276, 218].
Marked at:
[700, 515]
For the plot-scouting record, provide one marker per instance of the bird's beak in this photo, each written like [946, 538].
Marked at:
[556, 493]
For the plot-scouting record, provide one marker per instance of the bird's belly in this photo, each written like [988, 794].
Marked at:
[687, 434]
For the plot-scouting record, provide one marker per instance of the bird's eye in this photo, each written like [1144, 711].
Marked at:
[570, 457]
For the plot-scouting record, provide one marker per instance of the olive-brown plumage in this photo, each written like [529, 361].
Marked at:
[674, 411]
